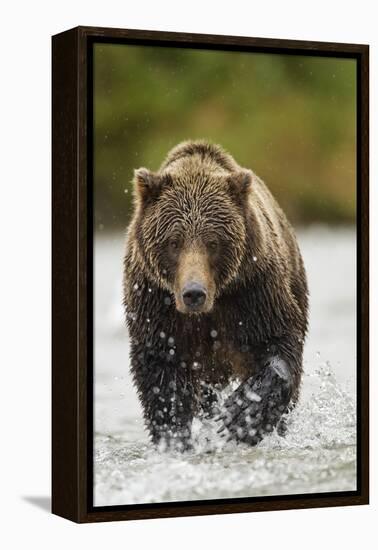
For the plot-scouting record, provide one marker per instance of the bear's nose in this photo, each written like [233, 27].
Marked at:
[194, 295]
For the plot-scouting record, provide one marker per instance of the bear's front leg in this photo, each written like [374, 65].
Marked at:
[209, 400]
[255, 408]
[167, 394]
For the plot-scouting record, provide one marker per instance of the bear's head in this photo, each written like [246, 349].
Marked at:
[191, 230]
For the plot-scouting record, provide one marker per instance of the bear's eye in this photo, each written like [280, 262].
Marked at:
[173, 244]
[213, 245]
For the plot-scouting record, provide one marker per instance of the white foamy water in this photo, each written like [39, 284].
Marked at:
[318, 453]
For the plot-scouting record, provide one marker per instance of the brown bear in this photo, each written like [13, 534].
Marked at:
[215, 290]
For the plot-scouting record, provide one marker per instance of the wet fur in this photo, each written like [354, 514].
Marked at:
[260, 297]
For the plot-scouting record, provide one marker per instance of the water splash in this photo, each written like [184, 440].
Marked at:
[318, 454]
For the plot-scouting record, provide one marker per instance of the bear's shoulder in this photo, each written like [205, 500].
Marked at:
[203, 149]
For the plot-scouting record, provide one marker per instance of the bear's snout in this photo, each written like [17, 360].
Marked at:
[194, 286]
[194, 295]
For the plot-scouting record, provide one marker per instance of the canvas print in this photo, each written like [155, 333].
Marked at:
[224, 274]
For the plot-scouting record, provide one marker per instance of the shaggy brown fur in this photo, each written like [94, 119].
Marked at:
[214, 289]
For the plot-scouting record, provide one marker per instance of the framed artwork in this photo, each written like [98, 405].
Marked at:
[210, 274]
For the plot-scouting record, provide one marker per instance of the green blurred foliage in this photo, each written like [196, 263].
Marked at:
[291, 119]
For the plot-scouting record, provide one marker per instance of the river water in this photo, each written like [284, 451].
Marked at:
[318, 453]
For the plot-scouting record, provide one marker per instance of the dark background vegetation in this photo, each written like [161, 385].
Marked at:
[292, 119]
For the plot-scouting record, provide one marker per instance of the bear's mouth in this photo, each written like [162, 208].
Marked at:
[193, 308]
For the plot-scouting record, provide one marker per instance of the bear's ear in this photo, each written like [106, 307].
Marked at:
[239, 184]
[147, 185]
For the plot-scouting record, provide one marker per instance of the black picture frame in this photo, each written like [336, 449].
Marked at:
[72, 272]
